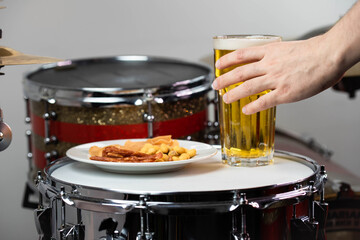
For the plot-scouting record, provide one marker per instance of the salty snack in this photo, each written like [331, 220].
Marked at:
[158, 149]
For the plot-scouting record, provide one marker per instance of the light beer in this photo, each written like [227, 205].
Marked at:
[246, 140]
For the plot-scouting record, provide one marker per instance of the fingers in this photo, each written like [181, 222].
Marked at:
[248, 88]
[264, 102]
[240, 56]
[239, 74]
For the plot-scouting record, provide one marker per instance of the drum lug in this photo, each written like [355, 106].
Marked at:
[149, 117]
[70, 231]
[144, 233]
[49, 156]
[48, 116]
[29, 155]
[43, 216]
[305, 227]
[321, 208]
[27, 106]
[242, 202]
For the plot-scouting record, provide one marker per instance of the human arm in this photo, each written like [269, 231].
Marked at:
[293, 70]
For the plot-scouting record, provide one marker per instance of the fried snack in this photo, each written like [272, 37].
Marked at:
[158, 149]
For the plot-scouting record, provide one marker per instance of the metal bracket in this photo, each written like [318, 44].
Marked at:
[144, 233]
[242, 202]
[148, 117]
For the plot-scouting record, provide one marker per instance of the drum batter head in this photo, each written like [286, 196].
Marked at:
[90, 80]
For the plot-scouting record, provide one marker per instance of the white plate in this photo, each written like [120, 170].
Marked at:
[81, 153]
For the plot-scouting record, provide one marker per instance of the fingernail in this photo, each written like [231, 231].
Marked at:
[214, 85]
[244, 110]
[225, 98]
[217, 64]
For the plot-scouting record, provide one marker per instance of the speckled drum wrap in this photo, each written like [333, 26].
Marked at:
[79, 122]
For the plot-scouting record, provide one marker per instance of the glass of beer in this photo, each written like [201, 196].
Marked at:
[246, 140]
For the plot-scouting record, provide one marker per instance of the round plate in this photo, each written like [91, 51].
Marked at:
[81, 153]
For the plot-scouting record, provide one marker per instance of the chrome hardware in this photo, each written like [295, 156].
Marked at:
[110, 226]
[242, 202]
[28, 134]
[27, 110]
[311, 202]
[148, 117]
[321, 208]
[5, 133]
[305, 227]
[29, 154]
[43, 216]
[48, 116]
[144, 234]
[297, 187]
[49, 156]
[69, 231]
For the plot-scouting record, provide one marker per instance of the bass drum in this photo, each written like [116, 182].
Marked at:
[80, 101]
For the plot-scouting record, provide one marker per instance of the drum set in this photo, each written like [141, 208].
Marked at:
[88, 100]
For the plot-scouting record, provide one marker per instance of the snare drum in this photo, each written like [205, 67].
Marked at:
[205, 200]
[80, 101]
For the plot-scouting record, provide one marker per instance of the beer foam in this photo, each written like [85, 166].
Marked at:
[233, 42]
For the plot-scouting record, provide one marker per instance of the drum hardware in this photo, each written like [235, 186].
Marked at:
[48, 116]
[69, 231]
[27, 110]
[148, 117]
[29, 191]
[110, 225]
[305, 227]
[313, 225]
[240, 200]
[144, 233]
[321, 208]
[43, 216]
[5, 133]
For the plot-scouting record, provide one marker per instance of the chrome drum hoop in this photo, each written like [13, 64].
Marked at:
[87, 93]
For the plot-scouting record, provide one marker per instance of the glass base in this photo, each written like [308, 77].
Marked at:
[236, 161]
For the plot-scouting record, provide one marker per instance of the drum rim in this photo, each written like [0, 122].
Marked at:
[70, 97]
[279, 153]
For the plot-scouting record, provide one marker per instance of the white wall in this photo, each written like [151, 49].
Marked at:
[180, 29]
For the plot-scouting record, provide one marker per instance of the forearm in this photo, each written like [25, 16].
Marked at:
[344, 39]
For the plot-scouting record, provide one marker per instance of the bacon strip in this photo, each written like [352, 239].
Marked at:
[113, 154]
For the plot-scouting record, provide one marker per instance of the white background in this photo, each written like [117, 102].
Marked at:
[183, 29]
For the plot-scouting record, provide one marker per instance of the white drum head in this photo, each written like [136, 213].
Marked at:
[204, 176]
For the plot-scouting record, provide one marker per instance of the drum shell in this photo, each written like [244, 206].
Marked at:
[270, 224]
[190, 222]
